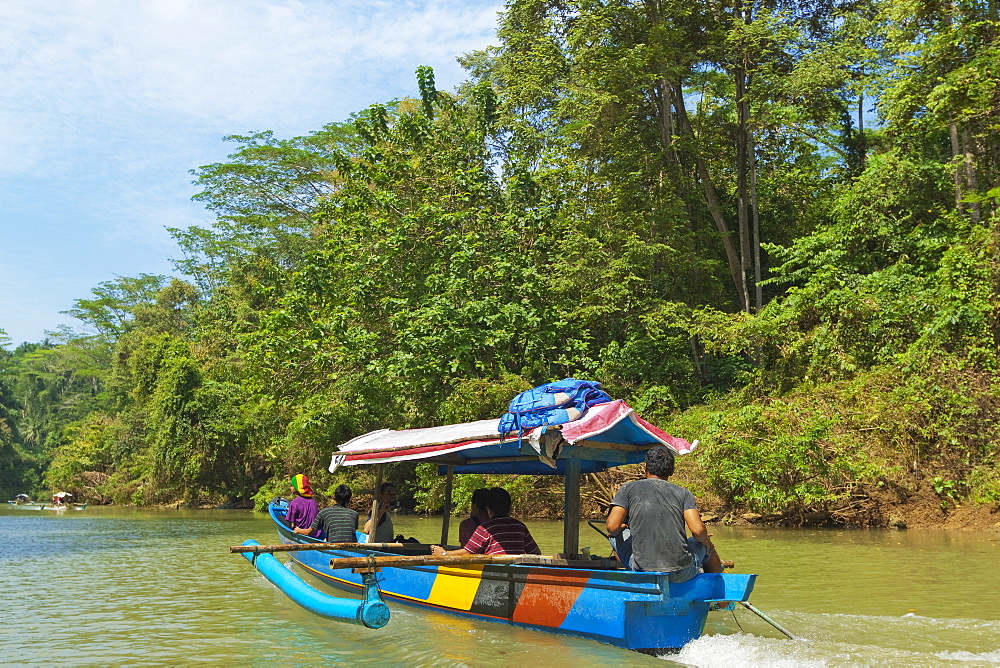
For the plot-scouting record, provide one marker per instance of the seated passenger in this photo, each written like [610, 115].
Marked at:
[384, 532]
[648, 521]
[303, 508]
[477, 515]
[338, 521]
[500, 534]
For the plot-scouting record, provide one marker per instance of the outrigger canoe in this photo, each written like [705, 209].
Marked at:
[568, 593]
[65, 506]
[637, 611]
[47, 506]
[27, 505]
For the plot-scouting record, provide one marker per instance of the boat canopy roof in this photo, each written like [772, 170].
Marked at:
[607, 435]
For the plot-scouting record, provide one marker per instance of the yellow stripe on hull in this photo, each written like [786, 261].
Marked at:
[455, 587]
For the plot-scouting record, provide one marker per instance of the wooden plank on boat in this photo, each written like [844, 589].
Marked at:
[452, 460]
[604, 445]
[471, 560]
[615, 456]
[297, 547]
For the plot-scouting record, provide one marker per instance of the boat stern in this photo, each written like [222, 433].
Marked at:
[658, 627]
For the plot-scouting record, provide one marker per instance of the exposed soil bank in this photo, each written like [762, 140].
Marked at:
[916, 506]
[914, 514]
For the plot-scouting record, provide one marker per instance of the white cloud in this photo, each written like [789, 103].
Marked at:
[73, 67]
[106, 104]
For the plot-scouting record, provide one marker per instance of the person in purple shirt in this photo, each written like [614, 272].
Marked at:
[303, 508]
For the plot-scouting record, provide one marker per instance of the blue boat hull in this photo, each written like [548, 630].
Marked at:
[637, 611]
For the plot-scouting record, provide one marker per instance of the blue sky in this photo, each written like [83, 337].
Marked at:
[105, 106]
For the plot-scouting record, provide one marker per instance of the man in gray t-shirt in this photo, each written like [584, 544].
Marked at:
[648, 519]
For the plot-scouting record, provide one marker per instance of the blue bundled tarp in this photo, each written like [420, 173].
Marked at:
[550, 404]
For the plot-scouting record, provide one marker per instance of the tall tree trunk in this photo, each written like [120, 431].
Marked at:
[696, 359]
[744, 158]
[712, 198]
[956, 151]
[666, 121]
[742, 161]
[742, 172]
[862, 147]
[971, 180]
[755, 212]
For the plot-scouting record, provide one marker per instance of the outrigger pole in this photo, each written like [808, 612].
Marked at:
[749, 606]
[403, 561]
[299, 547]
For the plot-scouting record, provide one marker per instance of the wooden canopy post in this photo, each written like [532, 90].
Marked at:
[446, 508]
[571, 509]
[378, 483]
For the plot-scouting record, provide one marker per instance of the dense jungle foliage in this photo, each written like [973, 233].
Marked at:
[769, 226]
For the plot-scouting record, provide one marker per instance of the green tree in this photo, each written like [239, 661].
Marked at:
[942, 94]
[264, 198]
[113, 307]
[11, 463]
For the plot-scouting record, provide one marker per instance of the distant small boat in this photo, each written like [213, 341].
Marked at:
[63, 501]
[26, 505]
[46, 506]
[65, 506]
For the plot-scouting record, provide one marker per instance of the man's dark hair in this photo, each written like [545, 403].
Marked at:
[479, 498]
[342, 495]
[660, 461]
[384, 486]
[498, 502]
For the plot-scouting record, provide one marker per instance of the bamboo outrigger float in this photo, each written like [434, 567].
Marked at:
[567, 593]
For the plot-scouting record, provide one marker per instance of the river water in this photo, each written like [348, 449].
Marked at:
[115, 586]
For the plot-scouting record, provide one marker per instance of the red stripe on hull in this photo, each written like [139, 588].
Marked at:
[547, 598]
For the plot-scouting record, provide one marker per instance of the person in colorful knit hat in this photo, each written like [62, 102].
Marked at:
[303, 508]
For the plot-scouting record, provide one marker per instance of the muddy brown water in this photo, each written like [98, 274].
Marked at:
[116, 586]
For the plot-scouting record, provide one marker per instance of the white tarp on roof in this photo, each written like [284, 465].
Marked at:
[614, 421]
[387, 439]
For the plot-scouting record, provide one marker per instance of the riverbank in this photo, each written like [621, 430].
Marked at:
[921, 513]
[915, 505]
